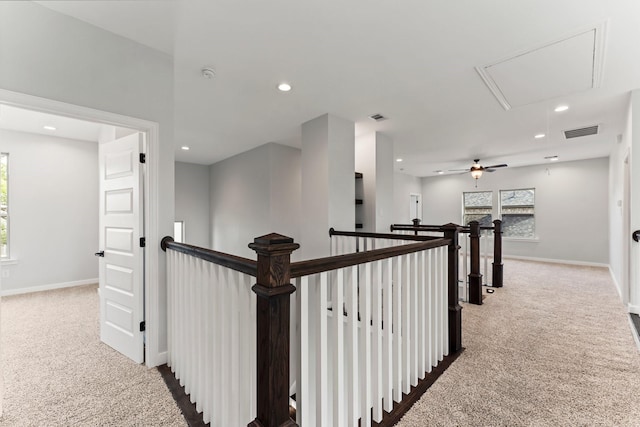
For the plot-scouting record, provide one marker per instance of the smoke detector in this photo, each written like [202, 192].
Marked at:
[208, 73]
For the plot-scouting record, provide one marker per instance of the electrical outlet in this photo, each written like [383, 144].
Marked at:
[5, 273]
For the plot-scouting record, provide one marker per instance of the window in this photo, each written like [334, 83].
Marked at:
[477, 206]
[4, 205]
[517, 210]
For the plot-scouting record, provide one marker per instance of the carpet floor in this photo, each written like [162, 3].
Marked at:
[554, 347]
[58, 373]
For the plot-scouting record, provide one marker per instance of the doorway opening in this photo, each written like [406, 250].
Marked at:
[415, 206]
[113, 125]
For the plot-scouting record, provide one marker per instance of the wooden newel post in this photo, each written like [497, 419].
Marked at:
[273, 290]
[497, 254]
[475, 278]
[416, 223]
[455, 310]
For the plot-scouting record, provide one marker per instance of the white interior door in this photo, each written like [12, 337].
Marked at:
[121, 248]
[415, 210]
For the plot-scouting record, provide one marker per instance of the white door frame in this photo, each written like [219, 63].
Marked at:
[153, 356]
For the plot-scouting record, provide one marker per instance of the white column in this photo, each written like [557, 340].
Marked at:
[328, 182]
[374, 158]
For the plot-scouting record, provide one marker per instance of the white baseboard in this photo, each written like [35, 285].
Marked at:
[8, 292]
[635, 309]
[558, 261]
[160, 358]
[615, 282]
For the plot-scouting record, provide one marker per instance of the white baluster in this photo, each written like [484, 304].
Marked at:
[353, 396]
[376, 360]
[413, 319]
[387, 358]
[435, 296]
[445, 302]
[406, 324]
[422, 307]
[339, 410]
[305, 395]
[365, 345]
[397, 329]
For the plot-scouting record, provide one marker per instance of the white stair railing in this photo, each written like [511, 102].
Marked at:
[368, 334]
[212, 337]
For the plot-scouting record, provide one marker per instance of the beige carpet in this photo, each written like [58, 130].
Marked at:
[552, 348]
[58, 373]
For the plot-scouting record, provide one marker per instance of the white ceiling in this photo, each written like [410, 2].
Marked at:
[412, 61]
[18, 119]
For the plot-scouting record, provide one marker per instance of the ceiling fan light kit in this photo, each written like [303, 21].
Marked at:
[477, 169]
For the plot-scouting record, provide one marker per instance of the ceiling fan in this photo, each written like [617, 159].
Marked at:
[477, 169]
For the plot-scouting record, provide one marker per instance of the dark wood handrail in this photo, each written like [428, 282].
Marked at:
[389, 236]
[433, 228]
[273, 272]
[411, 227]
[243, 265]
[305, 268]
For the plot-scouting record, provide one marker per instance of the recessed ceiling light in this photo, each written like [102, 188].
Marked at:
[49, 127]
[185, 148]
[561, 108]
[284, 87]
[539, 136]
[398, 159]
[440, 172]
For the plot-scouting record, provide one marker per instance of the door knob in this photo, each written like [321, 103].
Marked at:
[636, 235]
[101, 253]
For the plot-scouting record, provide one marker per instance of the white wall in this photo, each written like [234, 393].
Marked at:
[365, 163]
[374, 158]
[618, 209]
[53, 202]
[403, 186]
[255, 193]
[328, 187]
[634, 253]
[193, 202]
[50, 55]
[571, 209]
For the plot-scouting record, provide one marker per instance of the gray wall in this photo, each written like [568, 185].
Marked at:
[571, 207]
[193, 202]
[53, 208]
[255, 193]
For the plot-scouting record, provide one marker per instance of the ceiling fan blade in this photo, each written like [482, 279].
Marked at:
[504, 165]
[458, 170]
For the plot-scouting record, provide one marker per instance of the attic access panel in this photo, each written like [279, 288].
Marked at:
[565, 66]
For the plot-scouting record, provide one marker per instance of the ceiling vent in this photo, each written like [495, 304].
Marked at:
[377, 117]
[576, 133]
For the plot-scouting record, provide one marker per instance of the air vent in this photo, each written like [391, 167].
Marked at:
[576, 133]
[377, 117]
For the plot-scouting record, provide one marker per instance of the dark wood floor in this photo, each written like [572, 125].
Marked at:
[193, 418]
[636, 322]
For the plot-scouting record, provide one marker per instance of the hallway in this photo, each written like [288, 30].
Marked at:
[554, 347]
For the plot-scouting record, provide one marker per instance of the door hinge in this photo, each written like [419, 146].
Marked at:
[143, 242]
[143, 326]
[143, 158]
